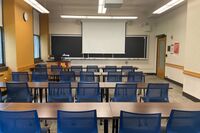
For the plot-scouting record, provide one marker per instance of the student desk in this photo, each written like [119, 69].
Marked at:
[48, 111]
[103, 85]
[148, 108]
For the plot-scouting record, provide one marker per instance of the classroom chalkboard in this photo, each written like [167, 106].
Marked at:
[135, 47]
[71, 45]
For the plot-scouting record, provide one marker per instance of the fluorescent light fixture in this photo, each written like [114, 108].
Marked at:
[101, 7]
[100, 17]
[37, 6]
[168, 6]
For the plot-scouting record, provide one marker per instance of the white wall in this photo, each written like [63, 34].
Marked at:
[174, 24]
[133, 28]
[36, 23]
[192, 48]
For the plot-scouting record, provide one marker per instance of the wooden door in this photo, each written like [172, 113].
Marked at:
[161, 53]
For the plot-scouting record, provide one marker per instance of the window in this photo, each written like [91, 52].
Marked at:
[1, 48]
[37, 54]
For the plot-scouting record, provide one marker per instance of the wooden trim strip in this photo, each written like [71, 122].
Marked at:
[192, 74]
[25, 67]
[174, 66]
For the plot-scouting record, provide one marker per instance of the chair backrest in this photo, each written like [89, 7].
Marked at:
[39, 77]
[157, 92]
[19, 122]
[92, 68]
[18, 92]
[59, 92]
[183, 122]
[139, 123]
[127, 69]
[41, 68]
[125, 93]
[76, 68]
[87, 76]
[110, 69]
[135, 77]
[1, 97]
[20, 76]
[56, 68]
[114, 77]
[88, 92]
[67, 76]
[77, 122]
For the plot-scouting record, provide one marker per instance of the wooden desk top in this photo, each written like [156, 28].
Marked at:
[78, 73]
[164, 108]
[49, 110]
[110, 85]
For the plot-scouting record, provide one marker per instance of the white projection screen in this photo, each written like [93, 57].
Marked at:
[103, 36]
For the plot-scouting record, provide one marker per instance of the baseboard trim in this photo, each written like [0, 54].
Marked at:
[194, 99]
[150, 73]
[175, 82]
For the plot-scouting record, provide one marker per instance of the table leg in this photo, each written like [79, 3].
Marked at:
[35, 95]
[113, 126]
[105, 126]
[40, 91]
[117, 128]
[46, 94]
[107, 94]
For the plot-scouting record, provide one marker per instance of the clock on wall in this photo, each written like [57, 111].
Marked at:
[25, 16]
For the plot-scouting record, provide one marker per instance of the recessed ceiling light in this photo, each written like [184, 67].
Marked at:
[101, 7]
[100, 17]
[168, 6]
[37, 6]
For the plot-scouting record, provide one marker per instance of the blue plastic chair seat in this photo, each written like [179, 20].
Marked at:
[20, 122]
[77, 122]
[139, 123]
[59, 92]
[183, 122]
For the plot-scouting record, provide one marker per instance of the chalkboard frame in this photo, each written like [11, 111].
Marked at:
[120, 56]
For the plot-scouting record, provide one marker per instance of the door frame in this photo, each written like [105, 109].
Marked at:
[160, 37]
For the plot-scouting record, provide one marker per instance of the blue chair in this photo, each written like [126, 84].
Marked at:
[39, 77]
[127, 69]
[59, 92]
[41, 68]
[20, 76]
[110, 69]
[114, 77]
[92, 68]
[139, 123]
[67, 76]
[125, 93]
[56, 68]
[20, 122]
[156, 92]
[77, 122]
[87, 77]
[1, 97]
[135, 77]
[88, 92]
[18, 92]
[76, 69]
[183, 122]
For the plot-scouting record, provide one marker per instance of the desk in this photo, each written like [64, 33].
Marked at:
[49, 110]
[103, 85]
[146, 108]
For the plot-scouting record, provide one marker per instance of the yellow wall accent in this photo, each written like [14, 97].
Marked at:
[18, 34]
[24, 34]
[10, 34]
[44, 36]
